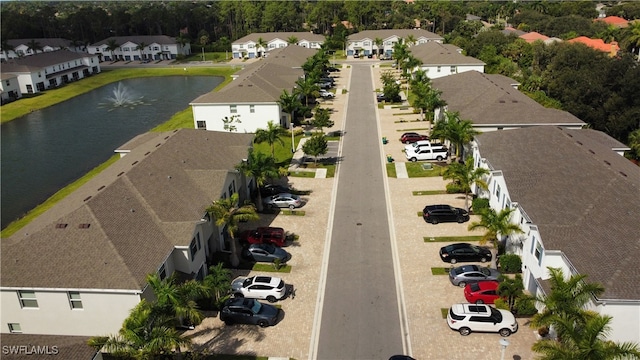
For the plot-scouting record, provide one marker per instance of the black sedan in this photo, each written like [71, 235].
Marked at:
[275, 189]
[265, 253]
[249, 311]
[464, 252]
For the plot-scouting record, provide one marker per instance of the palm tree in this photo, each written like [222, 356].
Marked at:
[292, 40]
[378, 41]
[433, 101]
[271, 135]
[262, 45]
[289, 103]
[261, 168]
[585, 342]
[511, 289]
[495, 223]
[634, 144]
[228, 214]
[411, 40]
[308, 88]
[34, 46]
[459, 132]
[145, 334]
[141, 46]
[182, 39]
[177, 301]
[112, 45]
[465, 175]
[566, 300]
[6, 47]
[217, 284]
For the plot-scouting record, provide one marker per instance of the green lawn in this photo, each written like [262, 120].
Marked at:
[428, 192]
[451, 238]
[414, 169]
[439, 271]
[270, 268]
[16, 109]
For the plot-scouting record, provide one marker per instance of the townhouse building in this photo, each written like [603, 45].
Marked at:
[26, 47]
[9, 88]
[80, 267]
[253, 96]
[50, 69]
[381, 42]
[577, 202]
[139, 48]
[257, 45]
[440, 60]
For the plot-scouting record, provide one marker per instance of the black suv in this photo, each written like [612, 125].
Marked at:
[444, 213]
[249, 311]
[464, 252]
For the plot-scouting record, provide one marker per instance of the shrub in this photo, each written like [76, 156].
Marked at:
[453, 188]
[510, 263]
[501, 304]
[479, 204]
[525, 306]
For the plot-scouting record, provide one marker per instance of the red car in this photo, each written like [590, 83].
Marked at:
[411, 137]
[265, 235]
[482, 292]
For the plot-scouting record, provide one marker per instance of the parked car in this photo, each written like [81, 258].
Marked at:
[356, 55]
[422, 144]
[411, 137]
[466, 318]
[265, 235]
[283, 200]
[325, 85]
[332, 69]
[249, 311]
[444, 213]
[467, 274]
[381, 97]
[259, 287]
[423, 154]
[326, 94]
[274, 189]
[464, 252]
[265, 253]
[482, 292]
[328, 79]
[370, 56]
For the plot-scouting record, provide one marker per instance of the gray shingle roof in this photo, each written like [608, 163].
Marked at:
[584, 198]
[282, 36]
[138, 210]
[435, 53]
[68, 347]
[41, 60]
[387, 33]
[264, 81]
[488, 99]
[53, 42]
[137, 39]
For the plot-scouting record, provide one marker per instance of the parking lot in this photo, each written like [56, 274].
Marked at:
[424, 294]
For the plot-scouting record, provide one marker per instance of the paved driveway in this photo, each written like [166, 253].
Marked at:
[425, 294]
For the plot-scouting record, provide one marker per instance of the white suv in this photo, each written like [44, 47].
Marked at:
[259, 287]
[438, 153]
[466, 318]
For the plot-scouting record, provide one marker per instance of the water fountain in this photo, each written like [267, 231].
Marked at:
[123, 97]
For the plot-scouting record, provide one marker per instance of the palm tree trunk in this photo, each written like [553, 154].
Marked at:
[234, 259]
[494, 254]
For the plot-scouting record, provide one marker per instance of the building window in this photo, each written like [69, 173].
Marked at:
[241, 46]
[439, 67]
[533, 243]
[15, 328]
[232, 188]
[202, 124]
[198, 240]
[194, 248]
[162, 272]
[508, 203]
[539, 253]
[156, 48]
[125, 49]
[252, 109]
[74, 300]
[272, 46]
[498, 191]
[233, 109]
[27, 299]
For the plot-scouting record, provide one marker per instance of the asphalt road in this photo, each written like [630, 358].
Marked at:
[360, 313]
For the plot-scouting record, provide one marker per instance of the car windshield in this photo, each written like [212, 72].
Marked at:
[247, 282]
[474, 286]
[496, 315]
[485, 271]
[257, 306]
[269, 248]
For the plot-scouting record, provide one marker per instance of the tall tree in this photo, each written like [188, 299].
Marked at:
[271, 135]
[6, 47]
[261, 168]
[322, 118]
[228, 214]
[457, 131]
[217, 284]
[34, 46]
[141, 47]
[465, 175]
[177, 300]
[289, 103]
[112, 45]
[495, 224]
[378, 42]
[292, 40]
[262, 47]
[315, 146]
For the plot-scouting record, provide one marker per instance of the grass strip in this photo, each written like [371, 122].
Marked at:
[413, 129]
[452, 238]
[270, 268]
[414, 170]
[292, 212]
[428, 192]
[444, 312]
[303, 174]
[391, 170]
[439, 271]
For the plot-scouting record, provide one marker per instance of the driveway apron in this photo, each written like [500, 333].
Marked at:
[360, 317]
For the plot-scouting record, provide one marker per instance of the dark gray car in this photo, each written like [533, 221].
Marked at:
[249, 311]
[466, 274]
[265, 253]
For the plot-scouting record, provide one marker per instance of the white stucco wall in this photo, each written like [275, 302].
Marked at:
[102, 312]
[438, 71]
[212, 115]
[625, 325]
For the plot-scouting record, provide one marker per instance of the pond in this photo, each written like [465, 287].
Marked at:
[50, 148]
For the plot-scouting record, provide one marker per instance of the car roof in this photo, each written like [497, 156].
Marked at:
[477, 309]
[468, 268]
[487, 285]
[266, 280]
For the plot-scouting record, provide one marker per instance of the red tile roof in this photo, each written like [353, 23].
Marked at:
[533, 36]
[615, 21]
[598, 44]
